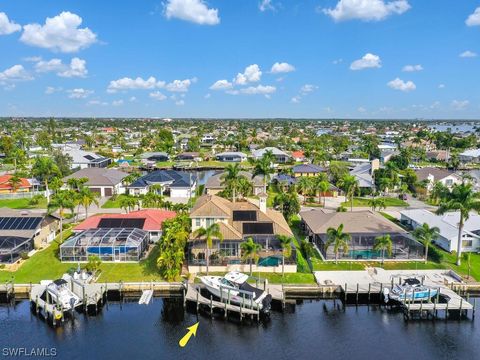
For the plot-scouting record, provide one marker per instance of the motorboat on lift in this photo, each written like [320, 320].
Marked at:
[411, 290]
[234, 286]
[60, 294]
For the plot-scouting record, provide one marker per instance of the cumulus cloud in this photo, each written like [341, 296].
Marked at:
[468, 54]
[266, 5]
[259, 89]
[79, 93]
[51, 90]
[472, 20]
[460, 104]
[60, 33]
[366, 62]
[252, 73]
[195, 11]
[366, 10]
[412, 68]
[15, 73]
[441, 86]
[117, 102]
[127, 83]
[296, 99]
[180, 85]
[308, 88]
[221, 85]
[76, 68]
[157, 95]
[399, 84]
[283, 67]
[97, 102]
[7, 26]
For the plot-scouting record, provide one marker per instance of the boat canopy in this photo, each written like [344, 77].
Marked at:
[236, 277]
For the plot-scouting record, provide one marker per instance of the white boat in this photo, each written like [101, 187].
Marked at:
[234, 286]
[411, 290]
[59, 293]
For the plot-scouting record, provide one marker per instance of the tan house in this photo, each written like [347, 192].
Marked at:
[238, 221]
[214, 183]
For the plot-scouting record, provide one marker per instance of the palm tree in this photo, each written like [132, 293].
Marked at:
[76, 183]
[437, 192]
[286, 245]
[463, 199]
[87, 197]
[263, 167]
[322, 187]
[231, 179]
[377, 203]
[14, 182]
[349, 184]
[209, 233]
[383, 243]
[45, 169]
[338, 239]
[250, 250]
[304, 185]
[61, 201]
[128, 202]
[426, 234]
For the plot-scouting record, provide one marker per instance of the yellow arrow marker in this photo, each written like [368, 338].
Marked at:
[192, 330]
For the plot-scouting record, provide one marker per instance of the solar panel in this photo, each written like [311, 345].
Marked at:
[258, 228]
[89, 157]
[19, 223]
[121, 223]
[244, 215]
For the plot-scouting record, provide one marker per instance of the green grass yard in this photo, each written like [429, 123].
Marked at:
[276, 278]
[364, 202]
[22, 203]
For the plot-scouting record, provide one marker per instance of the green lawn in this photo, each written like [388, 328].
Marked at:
[22, 203]
[320, 265]
[45, 265]
[113, 204]
[275, 278]
[364, 202]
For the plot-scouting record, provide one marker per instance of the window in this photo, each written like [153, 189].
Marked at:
[467, 243]
[228, 249]
[210, 221]
[449, 182]
[197, 222]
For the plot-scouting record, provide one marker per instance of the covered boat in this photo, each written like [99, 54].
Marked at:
[60, 294]
[411, 290]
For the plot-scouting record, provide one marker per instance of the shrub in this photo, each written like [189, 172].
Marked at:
[2, 266]
[435, 254]
[24, 255]
[94, 263]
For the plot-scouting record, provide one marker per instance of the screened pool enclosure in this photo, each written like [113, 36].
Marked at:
[12, 247]
[115, 244]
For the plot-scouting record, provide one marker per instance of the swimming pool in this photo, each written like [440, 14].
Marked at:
[364, 254]
[269, 261]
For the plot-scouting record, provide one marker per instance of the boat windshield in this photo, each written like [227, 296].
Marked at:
[226, 282]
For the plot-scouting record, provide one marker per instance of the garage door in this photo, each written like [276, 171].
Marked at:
[96, 190]
[108, 192]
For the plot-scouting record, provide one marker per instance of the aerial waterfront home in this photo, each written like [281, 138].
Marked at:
[280, 156]
[470, 156]
[155, 156]
[7, 187]
[214, 183]
[233, 156]
[307, 170]
[431, 175]
[106, 182]
[149, 220]
[448, 226]
[364, 173]
[21, 231]
[176, 184]
[85, 159]
[238, 221]
[189, 156]
[363, 227]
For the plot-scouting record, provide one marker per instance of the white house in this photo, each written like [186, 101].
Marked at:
[431, 175]
[470, 156]
[280, 156]
[105, 182]
[448, 226]
[179, 185]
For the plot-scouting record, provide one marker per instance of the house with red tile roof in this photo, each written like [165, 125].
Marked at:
[6, 187]
[298, 156]
[149, 220]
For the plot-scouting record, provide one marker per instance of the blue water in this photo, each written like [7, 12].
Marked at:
[315, 330]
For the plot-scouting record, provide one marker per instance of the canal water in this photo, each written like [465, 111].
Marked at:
[313, 330]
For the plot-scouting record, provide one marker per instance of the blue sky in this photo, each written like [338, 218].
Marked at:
[194, 58]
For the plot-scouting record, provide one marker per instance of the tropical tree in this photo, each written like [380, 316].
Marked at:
[250, 250]
[466, 257]
[14, 182]
[231, 179]
[437, 192]
[263, 167]
[321, 186]
[62, 200]
[349, 184]
[304, 185]
[45, 169]
[383, 243]
[208, 234]
[377, 203]
[286, 245]
[464, 199]
[426, 234]
[87, 197]
[128, 203]
[288, 203]
[338, 239]
[76, 183]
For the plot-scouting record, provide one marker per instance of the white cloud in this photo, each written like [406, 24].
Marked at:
[76, 68]
[361, 109]
[117, 102]
[132, 99]
[180, 102]
[460, 104]
[195, 11]
[441, 86]
[51, 90]
[266, 5]
[97, 102]
[79, 93]
[7, 27]
[366, 62]
[337, 61]
[474, 19]
[252, 73]
[412, 68]
[307, 88]
[157, 95]
[15, 73]
[127, 83]
[296, 99]
[180, 85]
[366, 10]
[221, 85]
[259, 89]
[32, 58]
[60, 33]
[283, 67]
[468, 54]
[207, 96]
[401, 85]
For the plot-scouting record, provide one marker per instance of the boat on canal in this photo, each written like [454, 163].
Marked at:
[411, 290]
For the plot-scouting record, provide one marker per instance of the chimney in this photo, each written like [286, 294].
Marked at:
[262, 202]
